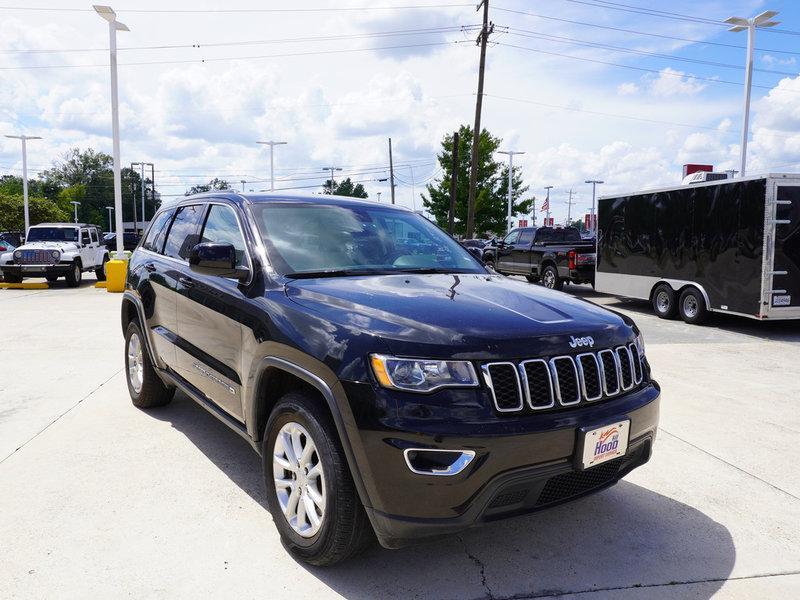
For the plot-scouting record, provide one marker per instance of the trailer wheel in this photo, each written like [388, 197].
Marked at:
[692, 306]
[664, 301]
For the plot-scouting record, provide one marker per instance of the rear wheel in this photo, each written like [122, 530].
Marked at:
[550, 278]
[664, 301]
[100, 272]
[144, 385]
[310, 490]
[74, 275]
[692, 306]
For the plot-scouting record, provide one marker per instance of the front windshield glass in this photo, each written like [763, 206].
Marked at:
[52, 234]
[306, 239]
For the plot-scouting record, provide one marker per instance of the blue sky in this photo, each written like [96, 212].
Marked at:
[570, 82]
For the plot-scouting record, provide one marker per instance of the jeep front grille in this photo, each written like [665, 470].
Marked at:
[36, 257]
[541, 384]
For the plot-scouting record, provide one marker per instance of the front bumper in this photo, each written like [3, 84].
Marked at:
[521, 464]
[59, 270]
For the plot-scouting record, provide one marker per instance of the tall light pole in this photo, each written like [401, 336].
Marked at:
[75, 205]
[272, 145]
[750, 25]
[24, 139]
[152, 167]
[109, 15]
[594, 182]
[547, 204]
[242, 181]
[110, 209]
[331, 169]
[510, 154]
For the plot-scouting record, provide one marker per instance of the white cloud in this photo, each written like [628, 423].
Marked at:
[671, 82]
[627, 89]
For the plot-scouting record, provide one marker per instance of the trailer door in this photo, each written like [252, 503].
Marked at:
[785, 233]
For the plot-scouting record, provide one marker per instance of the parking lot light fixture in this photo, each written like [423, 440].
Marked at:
[75, 205]
[24, 139]
[110, 209]
[107, 13]
[738, 24]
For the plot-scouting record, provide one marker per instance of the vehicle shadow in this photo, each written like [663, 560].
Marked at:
[784, 331]
[624, 537]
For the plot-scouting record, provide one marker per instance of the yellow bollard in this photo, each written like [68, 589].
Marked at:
[116, 272]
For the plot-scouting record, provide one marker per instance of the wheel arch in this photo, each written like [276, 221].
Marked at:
[678, 286]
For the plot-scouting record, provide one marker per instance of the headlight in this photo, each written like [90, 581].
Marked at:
[420, 375]
[55, 254]
[18, 254]
[640, 343]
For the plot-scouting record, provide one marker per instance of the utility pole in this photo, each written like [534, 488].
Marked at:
[133, 198]
[331, 169]
[24, 139]
[486, 31]
[272, 145]
[451, 214]
[569, 207]
[731, 173]
[391, 170]
[547, 204]
[110, 209]
[510, 154]
[594, 182]
[242, 181]
[75, 204]
[533, 214]
[379, 196]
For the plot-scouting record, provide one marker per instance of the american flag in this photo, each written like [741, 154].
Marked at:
[545, 205]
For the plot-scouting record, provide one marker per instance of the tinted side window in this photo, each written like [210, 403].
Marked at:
[223, 228]
[158, 231]
[545, 234]
[512, 237]
[526, 237]
[93, 235]
[185, 231]
[572, 235]
[85, 239]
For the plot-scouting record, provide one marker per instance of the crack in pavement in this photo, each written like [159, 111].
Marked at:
[730, 464]
[644, 586]
[478, 563]
[38, 433]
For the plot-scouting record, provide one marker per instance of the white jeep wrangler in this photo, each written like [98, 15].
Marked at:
[52, 250]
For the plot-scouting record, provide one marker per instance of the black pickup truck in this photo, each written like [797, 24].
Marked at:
[547, 254]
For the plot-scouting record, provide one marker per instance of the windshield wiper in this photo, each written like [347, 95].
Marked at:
[337, 273]
[433, 271]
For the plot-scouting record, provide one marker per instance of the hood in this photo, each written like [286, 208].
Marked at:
[468, 316]
[62, 246]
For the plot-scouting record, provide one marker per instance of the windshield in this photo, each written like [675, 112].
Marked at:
[52, 234]
[320, 239]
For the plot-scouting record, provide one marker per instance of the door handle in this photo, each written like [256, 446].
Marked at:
[150, 267]
[186, 281]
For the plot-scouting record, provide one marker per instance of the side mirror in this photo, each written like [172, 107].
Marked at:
[214, 259]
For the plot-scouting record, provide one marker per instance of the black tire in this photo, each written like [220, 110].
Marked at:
[152, 392]
[692, 306]
[531, 278]
[665, 302]
[74, 275]
[344, 528]
[9, 278]
[100, 272]
[550, 278]
[489, 262]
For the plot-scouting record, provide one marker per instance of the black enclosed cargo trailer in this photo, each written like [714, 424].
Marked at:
[724, 246]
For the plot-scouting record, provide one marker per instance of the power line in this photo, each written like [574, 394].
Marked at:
[566, 40]
[240, 10]
[643, 33]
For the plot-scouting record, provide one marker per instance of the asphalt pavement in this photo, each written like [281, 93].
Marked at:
[100, 499]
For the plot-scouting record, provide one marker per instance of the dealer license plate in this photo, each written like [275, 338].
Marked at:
[605, 443]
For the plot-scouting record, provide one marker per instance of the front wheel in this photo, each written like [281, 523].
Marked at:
[74, 275]
[144, 385]
[310, 491]
[100, 272]
[550, 278]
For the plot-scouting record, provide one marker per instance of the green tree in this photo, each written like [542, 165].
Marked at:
[578, 224]
[491, 200]
[214, 184]
[345, 188]
[41, 210]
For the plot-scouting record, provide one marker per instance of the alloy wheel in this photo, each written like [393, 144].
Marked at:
[299, 479]
[135, 363]
[549, 280]
[690, 306]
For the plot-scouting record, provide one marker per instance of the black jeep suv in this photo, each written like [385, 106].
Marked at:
[389, 381]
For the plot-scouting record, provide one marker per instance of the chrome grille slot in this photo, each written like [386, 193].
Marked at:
[36, 257]
[625, 367]
[608, 367]
[638, 374]
[565, 380]
[502, 379]
[537, 384]
[591, 384]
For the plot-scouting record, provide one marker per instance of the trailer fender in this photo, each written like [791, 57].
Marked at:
[678, 285]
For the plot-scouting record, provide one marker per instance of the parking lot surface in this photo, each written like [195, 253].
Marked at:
[100, 499]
